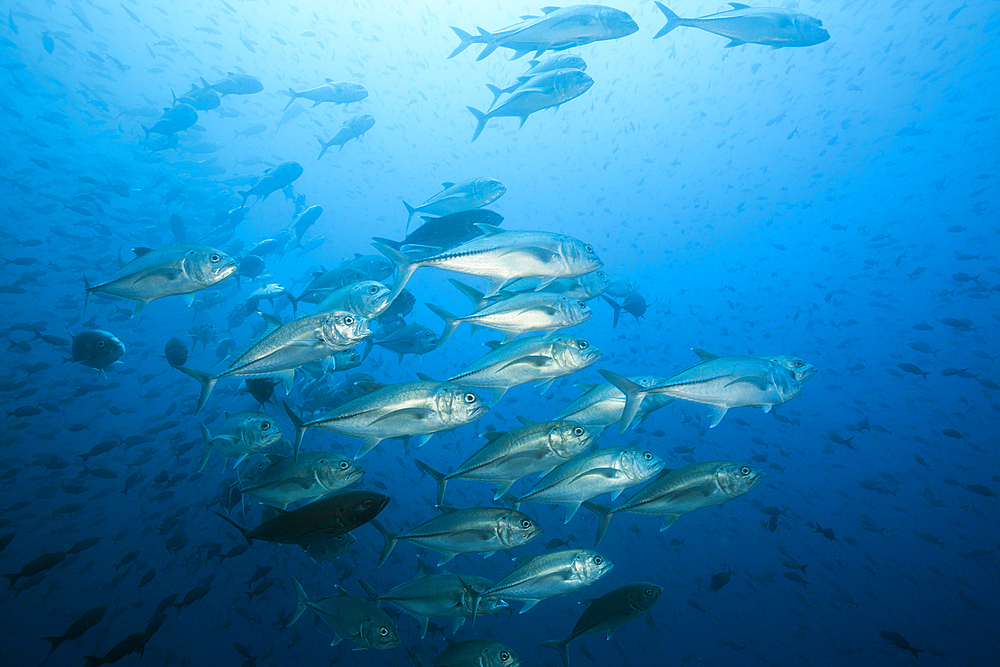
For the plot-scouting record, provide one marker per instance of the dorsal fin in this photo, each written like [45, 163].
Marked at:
[704, 355]
[422, 569]
[738, 5]
[493, 435]
[549, 9]
[447, 184]
[446, 509]
[141, 250]
[493, 344]
[272, 322]
[488, 230]
[425, 377]
[525, 420]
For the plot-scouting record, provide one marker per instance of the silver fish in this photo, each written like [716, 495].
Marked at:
[280, 481]
[154, 274]
[335, 92]
[511, 455]
[398, 411]
[562, 61]
[610, 470]
[242, 434]
[603, 404]
[586, 287]
[366, 298]
[770, 26]
[458, 197]
[350, 618]
[684, 490]
[459, 531]
[539, 359]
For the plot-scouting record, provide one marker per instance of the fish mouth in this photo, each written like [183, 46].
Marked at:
[808, 374]
[227, 269]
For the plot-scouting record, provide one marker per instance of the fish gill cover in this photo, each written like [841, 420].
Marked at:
[698, 333]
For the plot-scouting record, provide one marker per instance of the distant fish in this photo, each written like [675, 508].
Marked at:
[458, 197]
[335, 92]
[754, 25]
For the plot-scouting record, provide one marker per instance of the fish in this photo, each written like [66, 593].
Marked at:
[201, 99]
[235, 84]
[603, 404]
[326, 282]
[241, 435]
[89, 619]
[770, 26]
[303, 221]
[458, 531]
[557, 30]
[175, 119]
[428, 595]
[398, 410]
[609, 470]
[330, 516]
[373, 266]
[335, 92]
[458, 197]
[899, 642]
[561, 61]
[155, 274]
[96, 349]
[273, 179]
[724, 383]
[608, 612]
[350, 618]
[548, 575]
[682, 490]
[281, 480]
[586, 287]
[510, 455]
[474, 652]
[285, 347]
[518, 314]
[446, 231]
[543, 91]
[408, 339]
[500, 256]
[331, 549]
[365, 298]
[540, 359]
[351, 129]
[633, 304]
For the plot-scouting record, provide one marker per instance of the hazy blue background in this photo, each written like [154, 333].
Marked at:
[817, 202]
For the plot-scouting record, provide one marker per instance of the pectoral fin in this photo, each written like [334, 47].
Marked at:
[758, 382]
[416, 414]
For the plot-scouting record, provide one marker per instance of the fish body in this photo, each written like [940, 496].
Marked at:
[770, 26]
[539, 359]
[684, 490]
[175, 119]
[446, 231]
[398, 411]
[304, 221]
[459, 531]
[326, 282]
[459, 197]
[609, 611]
[366, 298]
[352, 129]
[155, 274]
[408, 339]
[561, 61]
[334, 92]
[586, 287]
[548, 575]
[510, 455]
[543, 91]
[201, 99]
[609, 470]
[97, 349]
[473, 653]
[175, 352]
[328, 517]
[280, 481]
[241, 434]
[274, 179]
[235, 84]
[557, 30]
[602, 405]
[350, 618]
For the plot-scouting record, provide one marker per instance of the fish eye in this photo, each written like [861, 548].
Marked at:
[344, 465]
[649, 591]
[504, 656]
[745, 471]
[384, 632]
[348, 320]
[588, 248]
[578, 431]
[373, 290]
[799, 364]
[214, 257]
[598, 560]
[366, 504]
[583, 345]
[525, 523]
[265, 425]
[470, 397]
[101, 343]
[648, 456]
[582, 305]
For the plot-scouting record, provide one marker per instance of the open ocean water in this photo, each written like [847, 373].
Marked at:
[821, 217]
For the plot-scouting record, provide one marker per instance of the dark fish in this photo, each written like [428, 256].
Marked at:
[175, 352]
[96, 349]
[448, 230]
[84, 623]
[721, 579]
[899, 642]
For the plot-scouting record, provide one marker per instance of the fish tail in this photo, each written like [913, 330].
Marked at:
[481, 119]
[467, 41]
[633, 397]
[207, 381]
[292, 97]
[147, 131]
[417, 662]
[618, 309]
[322, 147]
[237, 526]
[302, 602]
[560, 646]
[13, 579]
[673, 21]
[486, 38]
[293, 300]
[246, 195]
[440, 478]
[86, 299]
[208, 447]
[497, 92]
[472, 294]
[404, 267]
[55, 641]
[409, 214]
[604, 519]
[369, 591]
[450, 322]
[388, 242]
[512, 500]
[300, 429]
[390, 540]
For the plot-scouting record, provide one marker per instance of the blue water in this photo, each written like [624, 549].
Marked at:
[820, 202]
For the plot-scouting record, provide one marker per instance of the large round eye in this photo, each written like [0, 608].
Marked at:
[598, 560]
[504, 656]
[525, 523]
[648, 456]
[101, 343]
[348, 320]
[214, 257]
[578, 431]
[588, 248]
[583, 345]
[799, 364]
[384, 632]
[649, 592]
[582, 305]
[366, 504]
[373, 290]
[470, 397]
[344, 465]
[265, 426]
[745, 471]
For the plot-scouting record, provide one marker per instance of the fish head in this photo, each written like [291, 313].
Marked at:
[589, 566]
[345, 360]
[736, 478]
[574, 311]
[456, 405]
[574, 354]
[497, 655]
[336, 472]
[253, 472]
[568, 439]
[644, 596]
[579, 256]
[616, 22]
[370, 298]
[788, 374]
[246, 84]
[488, 190]
[258, 431]
[379, 633]
[208, 266]
[594, 283]
[340, 329]
[571, 62]
[570, 83]
[639, 464]
[802, 370]
[516, 528]
[97, 349]
[635, 305]
[363, 122]
[487, 605]
[350, 90]
[811, 31]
